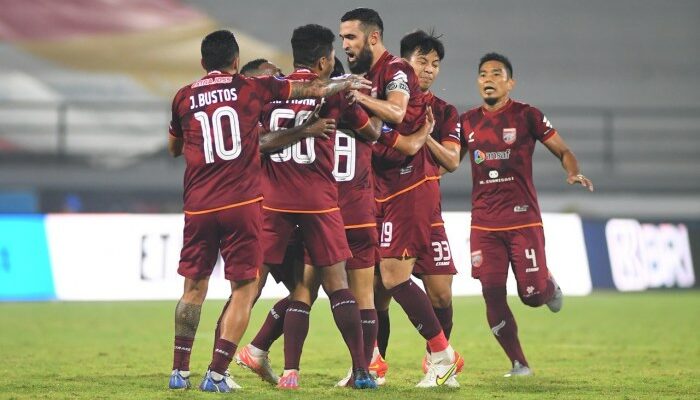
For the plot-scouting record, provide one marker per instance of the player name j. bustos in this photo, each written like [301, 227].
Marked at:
[213, 97]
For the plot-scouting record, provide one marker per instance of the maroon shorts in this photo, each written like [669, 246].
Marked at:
[235, 232]
[293, 256]
[403, 222]
[491, 251]
[323, 235]
[438, 259]
[358, 208]
[363, 245]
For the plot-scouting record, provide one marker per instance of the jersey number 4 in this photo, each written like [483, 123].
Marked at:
[217, 127]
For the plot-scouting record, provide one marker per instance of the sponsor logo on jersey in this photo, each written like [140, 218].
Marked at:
[479, 156]
[406, 170]
[477, 258]
[493, 174]
[521, 208]
[509, 135]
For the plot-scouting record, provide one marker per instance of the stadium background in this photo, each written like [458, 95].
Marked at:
[90, 201]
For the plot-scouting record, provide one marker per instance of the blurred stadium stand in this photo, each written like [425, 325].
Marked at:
[84, 97]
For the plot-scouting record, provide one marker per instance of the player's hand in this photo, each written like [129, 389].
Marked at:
[429, 119]
[358, 82]
[353, 96]
[318, 127]
[580, 179]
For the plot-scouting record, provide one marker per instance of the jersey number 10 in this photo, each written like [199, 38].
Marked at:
[219, 144]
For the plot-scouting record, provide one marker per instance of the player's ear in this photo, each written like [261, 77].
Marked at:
[374, 38]
[511, 84]
[234, 64]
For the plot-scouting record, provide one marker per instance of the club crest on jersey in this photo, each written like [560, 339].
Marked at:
[477, 259]
[509, 135]
[479, 156]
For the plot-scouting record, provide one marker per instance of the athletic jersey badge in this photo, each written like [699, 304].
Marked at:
[509, 135]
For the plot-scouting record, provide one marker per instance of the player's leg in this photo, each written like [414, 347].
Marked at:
[272, 327]
[405, 233]
[382, 301]
[360, 270]
[536, 287]
[197, 259]
[239, 229]
[326, 242]
[296, 323]
[279, 249]
[378, 366]
[436, 269]
[489, 258]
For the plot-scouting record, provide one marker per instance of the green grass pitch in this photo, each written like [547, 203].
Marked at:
[607, 345]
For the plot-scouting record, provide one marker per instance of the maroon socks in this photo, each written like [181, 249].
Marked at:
[296, 327]
[415, 303]
[369, 332]
[273, 327]
[347, 317]
[502, 323]
[182, 351]
[223, 354]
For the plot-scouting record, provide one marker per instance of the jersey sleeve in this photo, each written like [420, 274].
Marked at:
[175, 129]
[464, 130]
[449, 128]
[353, 114]
[271, 88]
[540, 127]
[388, 136]
[397, 76]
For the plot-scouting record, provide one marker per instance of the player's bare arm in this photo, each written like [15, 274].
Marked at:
[410, 144]
[446, 153]
[392, 110]
[372, 130]
[314, 126]
[175, 145]
[327, 87]
[558, 147]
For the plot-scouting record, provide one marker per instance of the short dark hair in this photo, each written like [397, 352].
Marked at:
[252, 65]
[219, 49]
[423, 42]
[497, 57]
[338, 69]
[367, 16]
[310, 43]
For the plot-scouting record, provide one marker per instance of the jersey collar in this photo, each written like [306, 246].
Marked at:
[488, 113]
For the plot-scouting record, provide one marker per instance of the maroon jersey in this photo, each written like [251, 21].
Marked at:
[446, 130]
[353, 173]
[217, 116]
[500, 146]
[446, 126]
[299, 178]
[393, 171]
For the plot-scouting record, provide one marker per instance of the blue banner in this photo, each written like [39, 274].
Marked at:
[25, 268]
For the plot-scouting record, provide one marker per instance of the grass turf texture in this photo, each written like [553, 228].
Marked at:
[607, 345]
